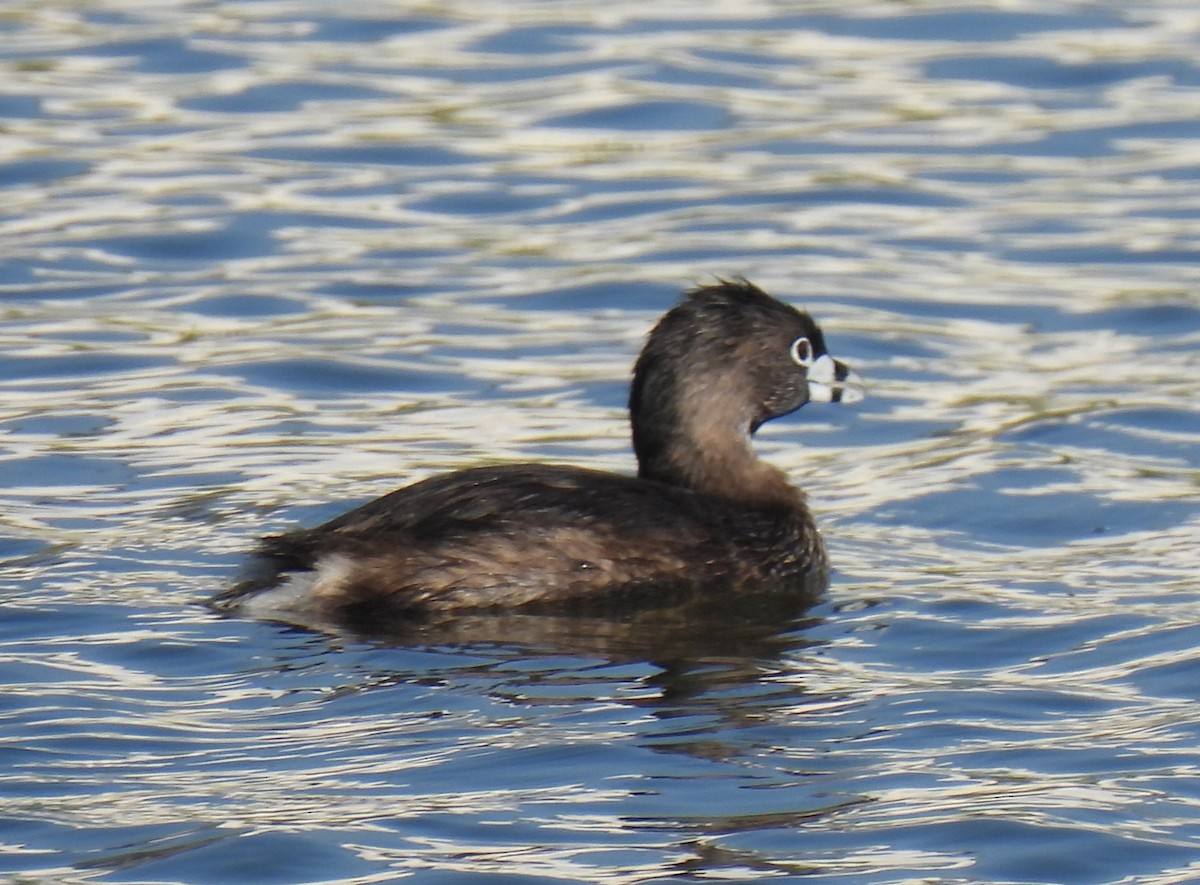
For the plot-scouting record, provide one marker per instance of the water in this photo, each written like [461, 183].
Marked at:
[262, 261]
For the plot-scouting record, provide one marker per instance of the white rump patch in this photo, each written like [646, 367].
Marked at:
[299, 593]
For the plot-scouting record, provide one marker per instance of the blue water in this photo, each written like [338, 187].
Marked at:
[261, 262]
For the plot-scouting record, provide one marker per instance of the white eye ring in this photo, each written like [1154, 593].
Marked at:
[801, 352]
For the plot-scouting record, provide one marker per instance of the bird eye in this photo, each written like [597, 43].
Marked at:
[801, 352]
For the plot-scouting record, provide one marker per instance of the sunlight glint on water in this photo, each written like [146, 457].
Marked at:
[263, 261]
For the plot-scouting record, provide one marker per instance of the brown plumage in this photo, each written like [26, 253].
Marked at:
[704, 514]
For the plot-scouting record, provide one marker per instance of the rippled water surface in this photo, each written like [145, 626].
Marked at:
[260, 261]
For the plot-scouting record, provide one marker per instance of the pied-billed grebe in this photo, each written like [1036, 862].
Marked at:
[702, 513]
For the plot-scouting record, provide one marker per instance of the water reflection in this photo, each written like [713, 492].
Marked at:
[687, 650]
[752, 629]
[264, 259]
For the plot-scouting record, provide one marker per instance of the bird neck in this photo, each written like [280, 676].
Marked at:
[712, 457]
